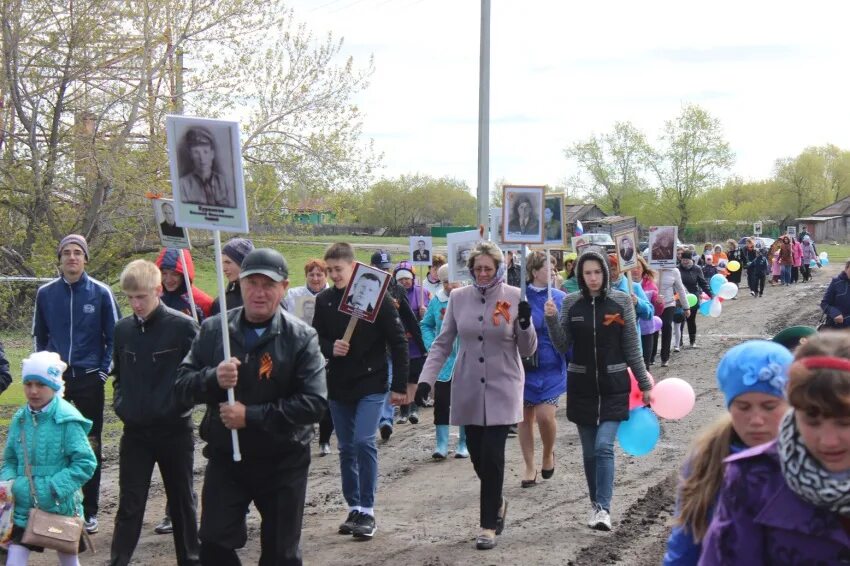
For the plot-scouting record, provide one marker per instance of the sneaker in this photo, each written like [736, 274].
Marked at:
[591, 516]
[602, 521]
[347, 527]
[164, 527]
[386, 431]
[753, 293]
[414, 415]
[512, 431]
[665, 364]
[401, 420]
[694, 346]
[91, 525]
[365, 527]
[677, 349]
[324, 449]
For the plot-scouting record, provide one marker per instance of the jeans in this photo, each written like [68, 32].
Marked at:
[597, 447]
[786, 274]
[388, 410]
[356, 425]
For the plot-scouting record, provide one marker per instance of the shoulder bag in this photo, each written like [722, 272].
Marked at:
[49, 530]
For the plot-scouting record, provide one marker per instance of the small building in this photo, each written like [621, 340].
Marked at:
[610, 224]
[584, 213]
[829, 224]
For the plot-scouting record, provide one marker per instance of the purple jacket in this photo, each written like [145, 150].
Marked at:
[759, 520]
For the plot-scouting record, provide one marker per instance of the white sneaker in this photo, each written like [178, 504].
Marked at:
[591, 516]
[324, 449]
[676, 349]
[602, 521]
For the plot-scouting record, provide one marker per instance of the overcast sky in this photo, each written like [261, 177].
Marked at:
[774, 73]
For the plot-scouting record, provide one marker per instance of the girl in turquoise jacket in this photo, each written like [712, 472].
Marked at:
[431, 325]
[58, 449]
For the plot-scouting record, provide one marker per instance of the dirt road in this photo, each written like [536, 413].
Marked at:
[427, 512]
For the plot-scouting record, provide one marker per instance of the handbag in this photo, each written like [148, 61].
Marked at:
[824, 322]
[530, 362]
[49, 530]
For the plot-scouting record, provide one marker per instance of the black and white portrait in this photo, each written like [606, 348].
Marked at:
[460, 245]
[420, 250]
[170, 234]
[523, 211]
[662, 246]
[305, 308]
[206, 173]
[553, 220]
[365, 292]
[626, 249]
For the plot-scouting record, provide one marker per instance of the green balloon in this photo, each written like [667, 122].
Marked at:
[692, 300]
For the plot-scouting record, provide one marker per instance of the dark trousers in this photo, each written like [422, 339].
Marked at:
[759, 284]
[442, 402]
[666, 332]
[277, 486]
[487, 450]
[806, 270]
[795, 274]
[646, 345]
[692, 326]
[416, 365]
[655, 337]
[326, 428]
[172, 449]
[86, 394]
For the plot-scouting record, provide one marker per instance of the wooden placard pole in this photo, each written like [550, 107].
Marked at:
[188, 285]
[349, 330]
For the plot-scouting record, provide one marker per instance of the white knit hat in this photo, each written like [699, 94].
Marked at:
[47, 368]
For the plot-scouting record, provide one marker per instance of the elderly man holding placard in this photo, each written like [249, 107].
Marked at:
[277, 374]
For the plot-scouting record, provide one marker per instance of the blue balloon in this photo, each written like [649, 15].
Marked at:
[824, 262]
[639, 435]
[705, 308]
[716, 283]
[813, 263]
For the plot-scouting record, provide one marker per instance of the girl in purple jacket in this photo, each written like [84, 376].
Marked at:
[788, 502]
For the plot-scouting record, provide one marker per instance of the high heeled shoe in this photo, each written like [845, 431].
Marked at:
[547, 474]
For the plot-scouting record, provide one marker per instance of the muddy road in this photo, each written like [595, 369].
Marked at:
[427, 511]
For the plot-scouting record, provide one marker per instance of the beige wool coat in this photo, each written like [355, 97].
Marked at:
[488, 377]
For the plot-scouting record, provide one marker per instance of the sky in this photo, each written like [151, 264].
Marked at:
[774, 73]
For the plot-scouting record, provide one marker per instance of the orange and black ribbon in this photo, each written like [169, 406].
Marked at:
[151, 195]
[502, 308]
[612, 318]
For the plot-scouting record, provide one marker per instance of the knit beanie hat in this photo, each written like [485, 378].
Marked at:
[237, 248]
[754, 366]
[47, 368]
[687, 254]
[73, 239]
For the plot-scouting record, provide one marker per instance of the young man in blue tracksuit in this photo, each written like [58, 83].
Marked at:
[75, 317]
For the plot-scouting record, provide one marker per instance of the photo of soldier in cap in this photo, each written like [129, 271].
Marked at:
[202, 180]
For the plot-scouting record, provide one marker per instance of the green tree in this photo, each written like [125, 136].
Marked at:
[689, 159]
[614, 162]
[802, 180]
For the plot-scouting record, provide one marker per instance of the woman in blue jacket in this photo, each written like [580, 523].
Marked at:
[752, 377]
[54, 434]
[545, 373]
[431, 325]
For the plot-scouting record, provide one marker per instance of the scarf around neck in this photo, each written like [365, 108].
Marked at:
[500, 277]
[806, 476]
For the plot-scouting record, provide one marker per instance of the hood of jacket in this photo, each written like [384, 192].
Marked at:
[579, 272]
[169, 258]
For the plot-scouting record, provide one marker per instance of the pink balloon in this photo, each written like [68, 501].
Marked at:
[636, 395]
[656, 323]
[673, 398]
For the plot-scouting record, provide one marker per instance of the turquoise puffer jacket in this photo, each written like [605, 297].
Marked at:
[60, 455]
[431, 325]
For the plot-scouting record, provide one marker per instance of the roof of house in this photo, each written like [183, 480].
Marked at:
[816, 218]
[581, 211]
[611, 219]
[839, 208]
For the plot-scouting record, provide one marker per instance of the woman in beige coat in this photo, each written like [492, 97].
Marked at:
[494, 328]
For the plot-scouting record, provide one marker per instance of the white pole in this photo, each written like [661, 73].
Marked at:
[548, 276]
[484, 119]
[523, 249]
[225, 333]
[188, 284]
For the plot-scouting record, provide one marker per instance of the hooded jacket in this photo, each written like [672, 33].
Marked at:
[810, 252]
[836, 300]
[169, 258]
[694, 280]
[432, 324]
[605, 342]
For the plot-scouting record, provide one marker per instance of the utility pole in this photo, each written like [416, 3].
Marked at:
[484, 120]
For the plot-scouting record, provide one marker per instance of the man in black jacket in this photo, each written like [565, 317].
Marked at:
[278, 376]
[357, 386]
[5, 375]
[149, 346]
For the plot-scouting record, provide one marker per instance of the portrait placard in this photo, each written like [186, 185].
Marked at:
[791, 231]
[627, 252]
[662, 246]
[420, 250]
[554, 226]
[170, 234]
[365, 292]
[757, 228]
[305, 308]
[460, 245]
[522, 214]
[205, 158]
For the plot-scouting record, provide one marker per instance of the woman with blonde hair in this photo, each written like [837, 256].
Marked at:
[494, 332]
[752, 377]
[788, 501]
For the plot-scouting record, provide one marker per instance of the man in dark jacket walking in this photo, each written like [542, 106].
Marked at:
[75, 317]
[836, 300]
[694, 281]
[149, 346]
[278, 376]
[5, 375]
